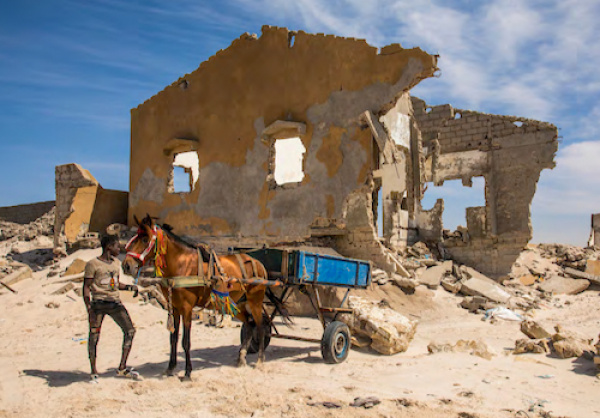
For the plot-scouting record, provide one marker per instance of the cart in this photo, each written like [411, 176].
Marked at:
[306, 270]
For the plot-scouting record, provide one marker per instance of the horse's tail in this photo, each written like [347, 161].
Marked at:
[280, 307]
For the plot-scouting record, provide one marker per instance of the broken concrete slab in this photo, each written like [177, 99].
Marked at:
[76, 267]
[564, 285]
[389, 331]
[534, 330]
[433, 275]
[18, 275]
[451, 284]
[472, 273]
[486, 287]
[581, 275]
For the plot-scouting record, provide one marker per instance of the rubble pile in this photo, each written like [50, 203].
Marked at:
[563, 343]
[26, 245]
[540, 272]
[44, 225]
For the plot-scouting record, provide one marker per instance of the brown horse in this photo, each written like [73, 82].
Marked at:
[178, 258]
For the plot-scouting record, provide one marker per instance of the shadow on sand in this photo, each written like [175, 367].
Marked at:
[202, 358]
[59, 378]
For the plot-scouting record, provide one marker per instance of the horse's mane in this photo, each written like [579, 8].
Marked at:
[204, 248]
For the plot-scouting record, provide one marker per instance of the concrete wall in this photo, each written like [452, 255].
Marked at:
[595, 232]
[110, 208]
[24, 214]
[82, 205]
[509, 152]
[233, 108]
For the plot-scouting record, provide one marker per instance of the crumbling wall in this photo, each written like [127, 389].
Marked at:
[24, 214]
[595, 232]
[82, 205]
[509, 153]
[234, 107]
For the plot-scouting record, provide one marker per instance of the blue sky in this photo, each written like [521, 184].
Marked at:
[72, 70]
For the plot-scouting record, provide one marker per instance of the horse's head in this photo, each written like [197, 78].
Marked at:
[142, 247]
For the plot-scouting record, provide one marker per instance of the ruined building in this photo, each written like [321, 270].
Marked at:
[83, 205]
[292, 137]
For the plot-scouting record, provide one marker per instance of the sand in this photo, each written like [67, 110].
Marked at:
[44, 366]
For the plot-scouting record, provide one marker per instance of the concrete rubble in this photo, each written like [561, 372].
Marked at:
[474, 347]
[389, 331]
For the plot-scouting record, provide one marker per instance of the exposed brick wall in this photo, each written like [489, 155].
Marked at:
[24, 214]
[516, 151]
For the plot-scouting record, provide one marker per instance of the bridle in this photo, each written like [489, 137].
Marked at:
[141, 257]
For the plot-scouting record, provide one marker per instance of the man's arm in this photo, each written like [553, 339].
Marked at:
[87, 282]
[130, 287]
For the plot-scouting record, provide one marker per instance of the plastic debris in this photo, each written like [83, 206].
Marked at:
[502, 313]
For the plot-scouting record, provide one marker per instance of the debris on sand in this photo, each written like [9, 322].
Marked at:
[475, 348]
[390, 332]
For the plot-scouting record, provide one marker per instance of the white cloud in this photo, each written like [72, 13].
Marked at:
[572, 188]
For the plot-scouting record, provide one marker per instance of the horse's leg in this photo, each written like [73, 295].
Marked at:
[256, 308]
[248, 338]
[174, 338]
[186, 343]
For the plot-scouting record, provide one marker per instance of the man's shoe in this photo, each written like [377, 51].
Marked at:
[130, 373]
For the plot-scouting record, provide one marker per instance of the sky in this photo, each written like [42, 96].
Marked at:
[72, 70]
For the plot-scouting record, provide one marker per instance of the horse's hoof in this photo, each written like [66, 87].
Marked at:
[242, 363]
[169, 373]
[260, 365]
[186, 378]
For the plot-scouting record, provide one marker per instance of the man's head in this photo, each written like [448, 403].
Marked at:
[110, 245]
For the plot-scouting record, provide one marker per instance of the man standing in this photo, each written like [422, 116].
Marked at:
[101, 282]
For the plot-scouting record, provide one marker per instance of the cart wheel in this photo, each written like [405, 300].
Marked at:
[254, 343]
[335, 344]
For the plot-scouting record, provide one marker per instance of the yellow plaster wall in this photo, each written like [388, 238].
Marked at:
[260, 79]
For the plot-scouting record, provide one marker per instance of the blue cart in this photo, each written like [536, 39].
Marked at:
[305, 270]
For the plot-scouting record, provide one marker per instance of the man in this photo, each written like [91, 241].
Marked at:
[101, 282]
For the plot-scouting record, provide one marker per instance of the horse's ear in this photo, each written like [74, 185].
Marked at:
[137, 221]
[147, 220]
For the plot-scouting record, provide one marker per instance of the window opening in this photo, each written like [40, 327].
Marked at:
[289, 157]
[457, 198]
[184, 172]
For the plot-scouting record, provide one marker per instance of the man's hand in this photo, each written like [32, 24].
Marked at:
[132, 288]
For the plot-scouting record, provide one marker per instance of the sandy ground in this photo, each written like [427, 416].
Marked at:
[44, 366]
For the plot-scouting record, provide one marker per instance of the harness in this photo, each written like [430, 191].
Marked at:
[221, 299]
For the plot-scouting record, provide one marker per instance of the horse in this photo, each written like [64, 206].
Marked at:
[179, 258]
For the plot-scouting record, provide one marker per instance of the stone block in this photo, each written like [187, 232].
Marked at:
[534, 330]
[570, 347]
[476, 286]
[433, 275]
[389, 331]
[563, 285]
